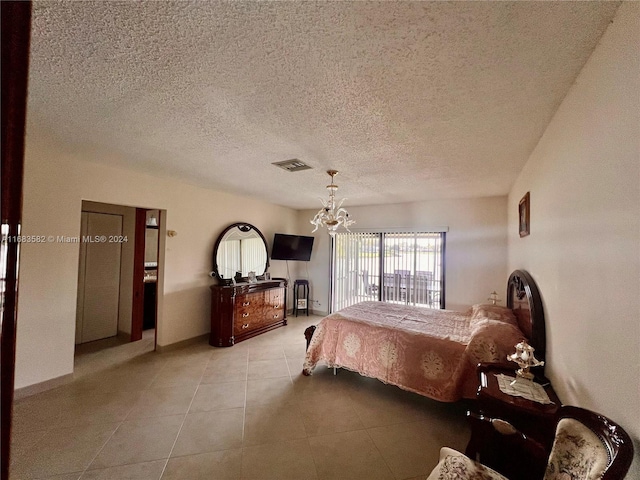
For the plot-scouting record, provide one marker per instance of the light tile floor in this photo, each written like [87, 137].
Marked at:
[244, 412]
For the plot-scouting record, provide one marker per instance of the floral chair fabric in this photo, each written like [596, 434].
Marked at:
[453, 465]
[587, 446]
[577, 453]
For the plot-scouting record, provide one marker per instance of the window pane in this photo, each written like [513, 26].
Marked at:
[411, 270]
[355, 269]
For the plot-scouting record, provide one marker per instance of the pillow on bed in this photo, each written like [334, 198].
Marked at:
[492, 341]
[492, 312]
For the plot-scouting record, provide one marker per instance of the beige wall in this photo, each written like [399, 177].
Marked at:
[56, 182]
[476, 245]
[584, 247]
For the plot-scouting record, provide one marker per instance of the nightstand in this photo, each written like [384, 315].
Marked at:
[535, 420]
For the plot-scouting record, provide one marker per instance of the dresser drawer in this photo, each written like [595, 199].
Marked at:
[244, 325]
[274, 298]
[266, 317]
[274, 305]
[248, 312]
[248, 305]
[274, 315]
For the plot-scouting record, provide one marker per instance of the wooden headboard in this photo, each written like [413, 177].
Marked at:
[524, 299]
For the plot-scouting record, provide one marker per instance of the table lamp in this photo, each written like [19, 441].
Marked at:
[525, 360]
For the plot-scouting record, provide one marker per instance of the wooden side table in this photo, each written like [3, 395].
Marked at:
[301, 302]
[534, 420]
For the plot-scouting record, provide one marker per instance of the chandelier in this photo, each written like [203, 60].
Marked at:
[332, 215]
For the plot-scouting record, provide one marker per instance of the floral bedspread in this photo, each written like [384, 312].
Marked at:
[427, 351]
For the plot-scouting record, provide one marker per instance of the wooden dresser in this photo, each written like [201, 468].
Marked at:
[245, 310]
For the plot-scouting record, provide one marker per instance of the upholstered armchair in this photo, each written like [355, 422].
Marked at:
[587, 446]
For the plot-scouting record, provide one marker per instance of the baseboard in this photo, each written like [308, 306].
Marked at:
[181, 344]
[124, 336]
[291, 313]
[29, 390]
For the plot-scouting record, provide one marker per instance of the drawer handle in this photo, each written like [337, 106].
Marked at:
[245, 325]
[245, 304]
[277, 306]
[275, 316]
[245, 315]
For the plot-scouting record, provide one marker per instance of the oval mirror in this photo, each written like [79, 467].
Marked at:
[240, 248]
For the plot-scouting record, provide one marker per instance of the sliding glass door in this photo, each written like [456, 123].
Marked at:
[356, 267]
[398, 267]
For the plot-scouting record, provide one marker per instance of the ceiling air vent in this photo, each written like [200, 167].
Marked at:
[292, 165]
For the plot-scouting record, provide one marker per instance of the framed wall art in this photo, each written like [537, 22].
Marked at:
[524, 215]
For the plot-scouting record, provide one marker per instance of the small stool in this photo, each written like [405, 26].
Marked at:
[301, 302]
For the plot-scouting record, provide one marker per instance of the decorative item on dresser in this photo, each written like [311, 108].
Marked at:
[525, 359]
[241, 305]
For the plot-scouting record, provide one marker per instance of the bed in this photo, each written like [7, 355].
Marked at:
[428, 351]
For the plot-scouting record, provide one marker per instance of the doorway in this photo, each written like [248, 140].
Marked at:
[99, 273]
[117, 282]
[150, 277]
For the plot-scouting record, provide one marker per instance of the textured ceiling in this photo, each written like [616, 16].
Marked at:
[408, 100]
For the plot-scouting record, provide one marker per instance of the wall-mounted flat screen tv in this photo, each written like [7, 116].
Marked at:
[291, 247]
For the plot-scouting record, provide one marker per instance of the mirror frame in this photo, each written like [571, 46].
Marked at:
[243, 227]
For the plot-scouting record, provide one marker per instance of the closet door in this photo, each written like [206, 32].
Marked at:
[99, 277]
